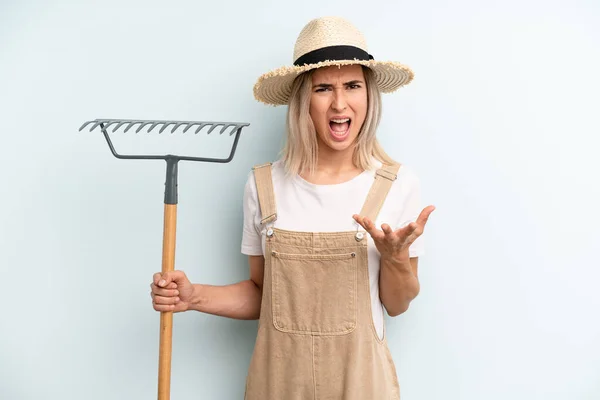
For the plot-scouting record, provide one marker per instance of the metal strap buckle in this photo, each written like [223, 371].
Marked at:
[386, 174]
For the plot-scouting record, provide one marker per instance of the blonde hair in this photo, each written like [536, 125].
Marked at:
[300, 152]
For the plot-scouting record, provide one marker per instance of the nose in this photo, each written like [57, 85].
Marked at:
[338, 102]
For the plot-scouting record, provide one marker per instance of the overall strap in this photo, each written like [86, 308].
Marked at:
[266, 196]
[384, 177]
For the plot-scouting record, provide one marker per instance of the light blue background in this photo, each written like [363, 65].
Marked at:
[500, 123]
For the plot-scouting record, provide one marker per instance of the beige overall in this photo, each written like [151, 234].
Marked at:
[316, 338]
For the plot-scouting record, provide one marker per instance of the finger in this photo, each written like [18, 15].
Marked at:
[405, 234]
[413, 227]
[424, 216]
[171, 285]
[387, 230]
[160, 300]
[157, 277]
[359, 220]
[418, 227]
[163, 307]
[370, 227]
[390, 235]
[164, 292]
[414, 231]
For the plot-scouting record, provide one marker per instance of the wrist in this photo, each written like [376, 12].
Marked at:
[398, 262]
[398, 258]
[198, 300]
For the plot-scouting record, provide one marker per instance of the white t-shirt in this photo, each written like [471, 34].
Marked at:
[303, 206]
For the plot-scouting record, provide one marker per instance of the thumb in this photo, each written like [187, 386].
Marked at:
[172, 276]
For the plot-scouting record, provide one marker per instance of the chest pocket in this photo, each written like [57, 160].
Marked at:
[314, 294]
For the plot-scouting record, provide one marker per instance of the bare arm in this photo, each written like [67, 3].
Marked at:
[398, 276]
[239, 300]
[398, 284]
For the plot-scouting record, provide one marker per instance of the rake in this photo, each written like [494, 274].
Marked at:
[170, 209]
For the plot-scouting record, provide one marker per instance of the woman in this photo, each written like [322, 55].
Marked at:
[318, 283]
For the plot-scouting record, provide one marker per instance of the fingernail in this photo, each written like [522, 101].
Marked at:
[177, 293]
[176, 299]
[162, 282]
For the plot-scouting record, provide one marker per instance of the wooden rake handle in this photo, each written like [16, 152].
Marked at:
[168, 265]
[166, 317]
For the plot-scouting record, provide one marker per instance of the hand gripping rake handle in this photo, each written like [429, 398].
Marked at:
[170, 213]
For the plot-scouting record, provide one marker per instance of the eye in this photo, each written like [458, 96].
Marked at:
[321, 89]
[354, 86]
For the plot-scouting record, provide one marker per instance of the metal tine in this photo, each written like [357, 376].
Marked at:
[103, 125]
[84, 125]
[178, 125]
[109, 123]
[225, 128]
[131, 124]
[237, 128]
[189, 125]
[142, 125]
[98, 122]
[202, 125]
[212, 128]
[165, 126]
[120, 124]
[155, 124]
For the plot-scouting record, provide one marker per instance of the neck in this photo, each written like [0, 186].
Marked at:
[333, 166]
[334, 160]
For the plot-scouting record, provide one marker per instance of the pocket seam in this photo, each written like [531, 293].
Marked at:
[299, 256]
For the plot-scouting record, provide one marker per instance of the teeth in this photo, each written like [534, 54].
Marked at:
[340, 121]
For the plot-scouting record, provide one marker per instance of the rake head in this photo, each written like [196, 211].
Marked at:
[149, 125]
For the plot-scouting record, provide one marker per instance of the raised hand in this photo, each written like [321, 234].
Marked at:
[395, 244]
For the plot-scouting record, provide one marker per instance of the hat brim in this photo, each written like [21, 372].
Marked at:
[275, 87]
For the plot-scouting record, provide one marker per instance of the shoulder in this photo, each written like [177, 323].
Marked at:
[407, 181]
[406, 176]
[277, 168]
[277, 173]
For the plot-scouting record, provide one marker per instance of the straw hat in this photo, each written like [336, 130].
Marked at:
[323, 42]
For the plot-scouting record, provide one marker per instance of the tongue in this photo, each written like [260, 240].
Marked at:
[339, 127]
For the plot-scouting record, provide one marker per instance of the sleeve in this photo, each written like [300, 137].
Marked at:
[251, 237]
[410, 212]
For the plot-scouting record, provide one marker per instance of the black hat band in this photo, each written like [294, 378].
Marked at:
[333, 53]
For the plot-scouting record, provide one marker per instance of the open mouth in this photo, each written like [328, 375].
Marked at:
[339, 128]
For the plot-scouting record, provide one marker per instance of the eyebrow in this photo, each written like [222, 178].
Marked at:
[328, 85]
